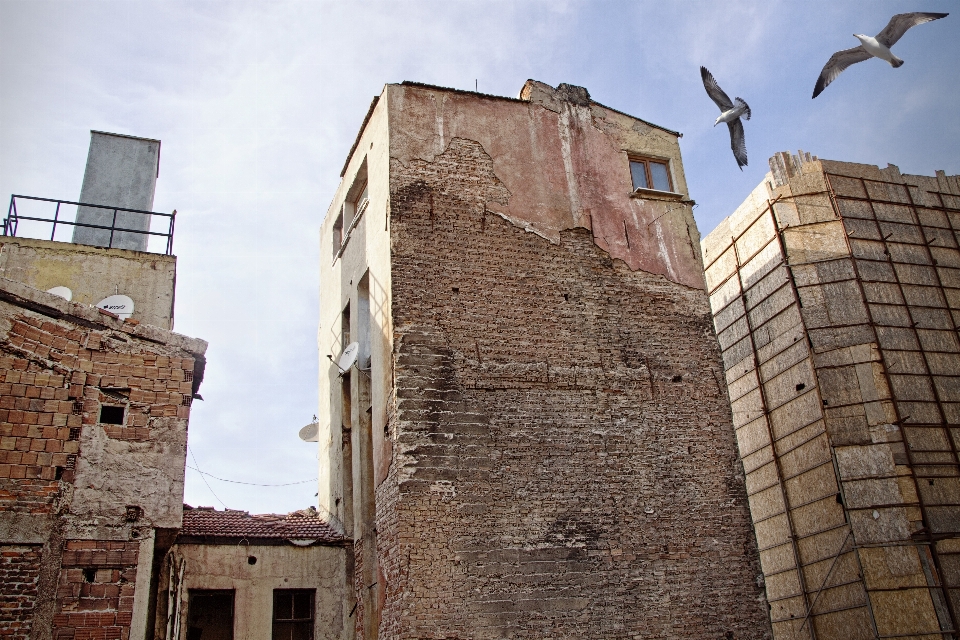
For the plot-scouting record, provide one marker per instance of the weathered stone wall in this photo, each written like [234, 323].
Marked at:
[834, 291]
[563, 457]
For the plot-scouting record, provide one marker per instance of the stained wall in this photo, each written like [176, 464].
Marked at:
[832, 289]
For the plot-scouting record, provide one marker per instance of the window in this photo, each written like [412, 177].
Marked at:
[650, 174]
[293, 614]
[338, 233]
[111, 415]
[210, 615]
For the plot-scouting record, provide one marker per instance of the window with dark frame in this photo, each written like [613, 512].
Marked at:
[338, 233]
[293, 614]
[648, 173]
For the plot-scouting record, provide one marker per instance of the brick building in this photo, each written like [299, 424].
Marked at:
[534, 439]
[94, 407]
[835, 290]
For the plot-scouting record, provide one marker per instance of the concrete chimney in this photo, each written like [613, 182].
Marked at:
[121, 172]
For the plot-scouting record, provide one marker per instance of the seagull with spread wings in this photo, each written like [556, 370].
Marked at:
[876, 47]
[731, 112]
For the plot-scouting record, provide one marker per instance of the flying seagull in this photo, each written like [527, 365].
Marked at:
[877, 47]
[732, 111]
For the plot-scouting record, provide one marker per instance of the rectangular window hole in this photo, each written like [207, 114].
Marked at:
[71, 462]
[77, 408]
[111, 415]
[188, 376]
[90, 575]
[187, 400]
[74, 433]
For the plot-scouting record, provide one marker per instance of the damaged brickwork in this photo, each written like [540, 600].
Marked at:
[564, 463]
[81, 491]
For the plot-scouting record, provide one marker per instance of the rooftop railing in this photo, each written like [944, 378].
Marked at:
[26, 211]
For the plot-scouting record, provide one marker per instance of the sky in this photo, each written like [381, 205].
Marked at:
[257, 105]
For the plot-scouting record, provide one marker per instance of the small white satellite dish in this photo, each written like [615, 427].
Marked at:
[349, 356]
[63, 292]
[119, 304]
[310, 433]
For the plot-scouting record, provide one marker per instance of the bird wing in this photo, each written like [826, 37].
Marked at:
[836, 64]
[714, 91]
[900, 23]
[738, 143]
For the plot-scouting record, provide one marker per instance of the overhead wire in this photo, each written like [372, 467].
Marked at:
[203, 476]
[252, 484]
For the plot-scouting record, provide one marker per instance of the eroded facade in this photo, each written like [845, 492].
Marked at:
[535, 438]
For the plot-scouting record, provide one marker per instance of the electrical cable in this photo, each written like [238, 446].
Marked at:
[203, 476]
[252, 484]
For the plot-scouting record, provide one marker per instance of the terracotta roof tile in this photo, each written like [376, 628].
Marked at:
[299, 525]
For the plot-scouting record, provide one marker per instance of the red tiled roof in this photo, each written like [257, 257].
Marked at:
[299, 525]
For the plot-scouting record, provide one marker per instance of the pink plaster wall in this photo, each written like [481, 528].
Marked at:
[565, 165]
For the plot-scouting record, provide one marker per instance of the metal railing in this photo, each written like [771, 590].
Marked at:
[11, 222]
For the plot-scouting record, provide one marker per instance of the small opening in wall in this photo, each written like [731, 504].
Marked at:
[251, 560]
[801, 386]
[89, 574]
[931, 482]
[455, 289]
[77, 408]
[566, 297]
[58, 473]
[677, 378]
[111, 415]
[74, 433]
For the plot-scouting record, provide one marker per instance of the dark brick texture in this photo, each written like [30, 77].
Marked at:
[564, 462]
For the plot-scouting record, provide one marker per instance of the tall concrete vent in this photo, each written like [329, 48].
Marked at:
[121, 172]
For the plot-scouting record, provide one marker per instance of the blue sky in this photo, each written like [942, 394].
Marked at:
[258, 103]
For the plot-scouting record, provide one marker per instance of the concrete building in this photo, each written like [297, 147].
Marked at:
[534, 440]
[121, 177]
[233, 575]
[835, 290]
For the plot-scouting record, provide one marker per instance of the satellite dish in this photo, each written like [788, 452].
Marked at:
[310, 433]
[63, 292]
[119, 304]
[349, 356]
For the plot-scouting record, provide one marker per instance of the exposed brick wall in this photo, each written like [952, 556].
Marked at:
[56, 372]
[19, 577]
[96, 589]
[564, 461]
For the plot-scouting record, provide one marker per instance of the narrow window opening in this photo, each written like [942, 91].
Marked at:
[90, 575]
[677, 378]
[74, 433]
[338, 233]
[111, 415]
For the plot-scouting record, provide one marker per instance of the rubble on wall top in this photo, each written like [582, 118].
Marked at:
[784, 166]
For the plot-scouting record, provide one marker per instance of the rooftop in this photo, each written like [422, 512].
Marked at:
[208, 523]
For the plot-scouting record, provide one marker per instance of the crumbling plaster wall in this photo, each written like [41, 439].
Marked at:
[67, 481]
[563, 160]
[563, 457]
[277, 566]
[826, 322]
[93, 273]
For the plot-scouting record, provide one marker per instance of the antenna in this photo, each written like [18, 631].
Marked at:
[63, 292]
[349, 357]
[311, 432]
[121, 305]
